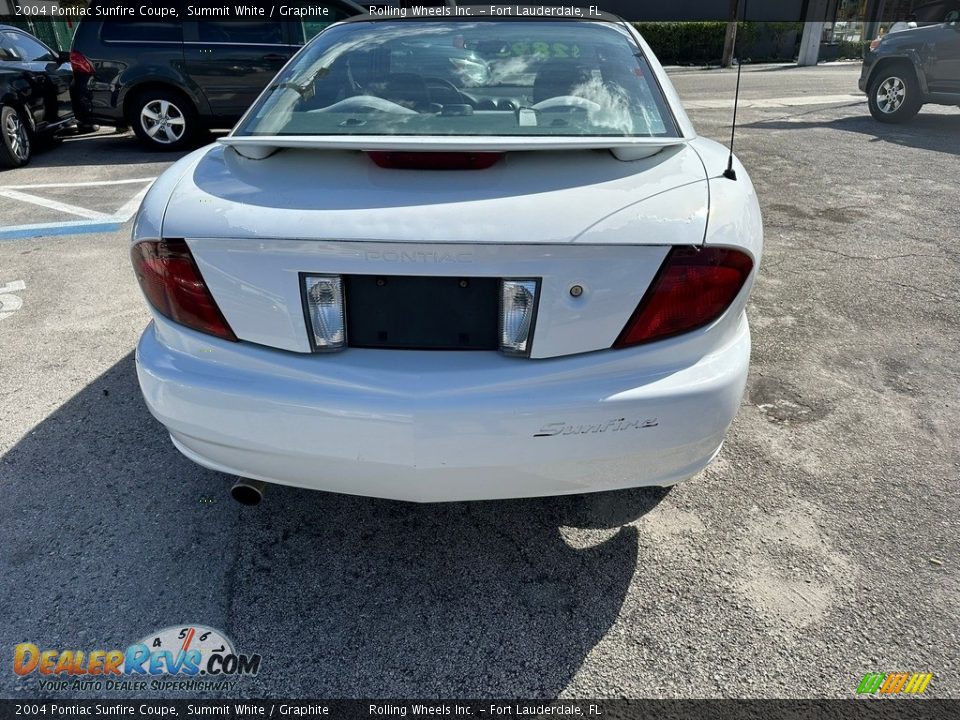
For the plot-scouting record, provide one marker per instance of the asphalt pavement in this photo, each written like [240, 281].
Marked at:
[822, 544]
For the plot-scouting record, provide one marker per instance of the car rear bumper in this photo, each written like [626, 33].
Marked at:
[438, 426]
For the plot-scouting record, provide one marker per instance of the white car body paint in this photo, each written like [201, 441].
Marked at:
[427, 426]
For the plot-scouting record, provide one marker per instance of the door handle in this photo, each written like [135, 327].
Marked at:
[273, 57]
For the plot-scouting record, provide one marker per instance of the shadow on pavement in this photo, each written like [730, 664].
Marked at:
[105, 147]
[109, 534]
[924, 132]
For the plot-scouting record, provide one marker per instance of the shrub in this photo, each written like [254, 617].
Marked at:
[852, 49]
[701, 43]
[685, 43]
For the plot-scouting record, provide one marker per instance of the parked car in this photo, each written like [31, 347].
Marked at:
[34, 94]
[367, 294]
[907, 69]
[172, 80]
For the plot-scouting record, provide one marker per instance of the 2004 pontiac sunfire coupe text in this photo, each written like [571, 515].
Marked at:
[449, 260]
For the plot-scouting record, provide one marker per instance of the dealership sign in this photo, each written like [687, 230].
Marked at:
[183, 657]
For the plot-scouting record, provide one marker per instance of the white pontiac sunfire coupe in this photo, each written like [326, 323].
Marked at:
[448, 260]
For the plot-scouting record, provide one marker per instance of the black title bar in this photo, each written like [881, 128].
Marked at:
[864, 709]
[313, 10]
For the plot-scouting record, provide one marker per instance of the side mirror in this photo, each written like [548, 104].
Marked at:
[63, 56]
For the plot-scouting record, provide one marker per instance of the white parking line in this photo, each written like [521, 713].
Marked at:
[10, 303]
[53, 204]
[37, 186]
[92, 220]
[127, 210]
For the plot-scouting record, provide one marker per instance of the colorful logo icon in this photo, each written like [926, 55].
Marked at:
[894, 683]
[188, 650]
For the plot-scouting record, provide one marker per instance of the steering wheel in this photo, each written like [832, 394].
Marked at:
[367, 103]
[434, 82]
[567, 101]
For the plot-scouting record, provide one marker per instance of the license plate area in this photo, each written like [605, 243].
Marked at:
[422, 313]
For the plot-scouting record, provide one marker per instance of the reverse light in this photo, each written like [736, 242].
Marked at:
[692, 288]
[323, 304]
[518, 307]
[173, 285]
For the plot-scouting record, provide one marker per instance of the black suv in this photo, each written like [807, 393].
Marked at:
[909, 68]
[172, 80]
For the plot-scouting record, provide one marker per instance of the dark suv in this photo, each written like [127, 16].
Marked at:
[172, 80]
[909, 68]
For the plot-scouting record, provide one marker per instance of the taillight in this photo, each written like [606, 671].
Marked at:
[692, 288]
[172, 283]
[434, 160]
[79, 63]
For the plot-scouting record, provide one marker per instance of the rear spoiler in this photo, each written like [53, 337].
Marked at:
[259, 147]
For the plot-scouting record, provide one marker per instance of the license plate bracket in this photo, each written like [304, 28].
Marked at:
[422, 313]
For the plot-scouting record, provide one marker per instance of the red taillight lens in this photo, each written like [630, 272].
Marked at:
[692, 289]
[79, 63]
[434, 160]
[171, 281]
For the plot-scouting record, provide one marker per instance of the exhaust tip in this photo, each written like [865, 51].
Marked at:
[248, 492]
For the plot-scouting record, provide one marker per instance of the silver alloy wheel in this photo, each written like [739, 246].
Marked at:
[890, 95]
[18, 139]
[163, 121]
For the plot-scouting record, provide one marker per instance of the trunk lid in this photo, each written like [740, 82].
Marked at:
[548, 196]
[566, 218]
[257, 284]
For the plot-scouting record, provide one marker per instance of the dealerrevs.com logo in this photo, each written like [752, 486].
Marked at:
[186, 657]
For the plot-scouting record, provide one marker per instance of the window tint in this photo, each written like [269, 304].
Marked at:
[25, 47]
[6, 45]
[488, 78]
[142, 31]
[235, 31]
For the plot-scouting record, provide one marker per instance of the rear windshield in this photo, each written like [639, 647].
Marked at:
[489, 78]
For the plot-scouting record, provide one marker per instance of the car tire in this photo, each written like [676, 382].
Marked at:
[164, 119]
[895, 94]
[16, 140]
